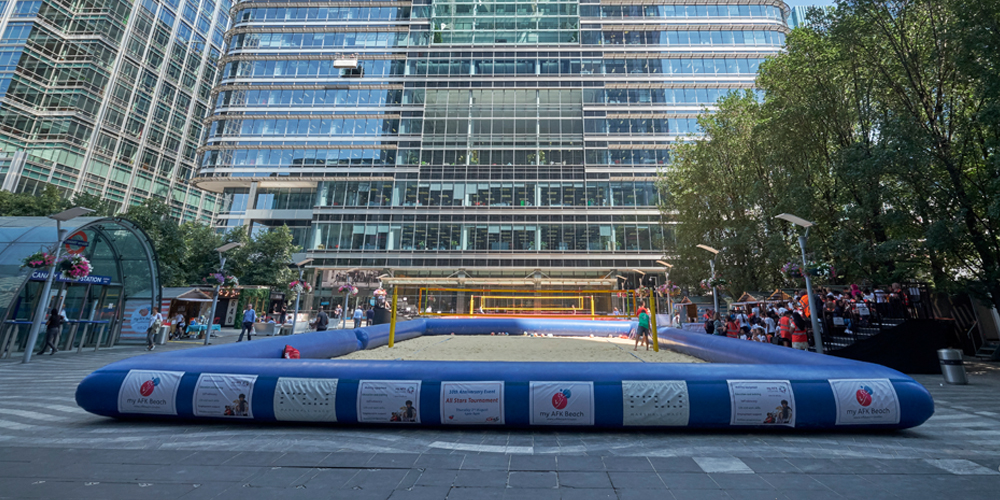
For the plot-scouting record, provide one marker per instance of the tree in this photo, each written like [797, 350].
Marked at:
[263, 259]
[153, 217]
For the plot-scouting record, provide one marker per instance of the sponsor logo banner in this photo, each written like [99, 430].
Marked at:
[562, 403]
[306, 399]
[149, 391]
[224, 395]
[865, 401]
[472, 403]
[384, 401]
[655, 402]
[761, 402]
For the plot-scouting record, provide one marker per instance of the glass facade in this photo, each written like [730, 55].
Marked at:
[107, 97]
[496, 136]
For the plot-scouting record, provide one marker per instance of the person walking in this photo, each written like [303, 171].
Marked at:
[249, 316]
[155, 322]
[322, 321]
[53, 327]
[358, 314]
[370, 316]
[800, 340]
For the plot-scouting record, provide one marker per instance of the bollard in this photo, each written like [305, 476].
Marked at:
[952, 366]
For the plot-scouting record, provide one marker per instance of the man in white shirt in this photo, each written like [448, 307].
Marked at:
[155, 322]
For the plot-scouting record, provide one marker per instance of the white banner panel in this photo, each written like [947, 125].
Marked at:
[306, 399]
[865, 401]
[224, 395]
[761, 402]
[472, 403]
[383, 401]
[655, 402]
[149, 391]
[562, 403]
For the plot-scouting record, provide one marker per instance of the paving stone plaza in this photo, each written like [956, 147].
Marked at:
[50, 448]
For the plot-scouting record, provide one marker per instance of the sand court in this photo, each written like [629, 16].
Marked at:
[520, 348]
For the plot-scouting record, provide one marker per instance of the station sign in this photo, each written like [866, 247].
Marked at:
[93, 279]
[76, 243]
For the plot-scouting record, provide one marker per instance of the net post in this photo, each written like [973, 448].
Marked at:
[472, 304]
[652, 320]
[592, 316]
[392, 318]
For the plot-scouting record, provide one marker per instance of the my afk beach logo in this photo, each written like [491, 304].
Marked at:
[562, 403]
[865, 401]
[145, 391]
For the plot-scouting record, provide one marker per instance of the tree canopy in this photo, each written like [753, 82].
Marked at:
[880, 123]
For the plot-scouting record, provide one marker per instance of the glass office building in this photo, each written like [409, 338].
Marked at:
[108, 96]
[484, 138]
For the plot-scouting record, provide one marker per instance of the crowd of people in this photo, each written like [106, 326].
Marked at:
[788, 323]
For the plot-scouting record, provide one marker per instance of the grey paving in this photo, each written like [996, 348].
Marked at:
[50, 448]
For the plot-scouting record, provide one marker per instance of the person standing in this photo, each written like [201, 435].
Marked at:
[53, 327]
[800, 340]
[322, 320]
[370, 316]
[155, 322]
[785, 328]
[358, 314]
[249, 316]
[642, 330]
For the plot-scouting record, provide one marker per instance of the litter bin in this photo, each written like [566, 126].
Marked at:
[161, 336]
[952, 366]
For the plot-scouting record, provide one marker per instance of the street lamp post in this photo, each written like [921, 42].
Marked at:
[711, 264]
[670, 308]
[798, 221]
[43, 301]
[298, 296]
[218, 288]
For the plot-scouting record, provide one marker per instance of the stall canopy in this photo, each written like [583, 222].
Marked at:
[779, 295]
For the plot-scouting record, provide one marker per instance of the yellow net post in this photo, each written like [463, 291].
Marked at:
[591, 307]
[652, 320]
[472, 304]
[392, 317]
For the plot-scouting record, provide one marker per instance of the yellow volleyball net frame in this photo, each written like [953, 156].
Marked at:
[503, 302]
[508, 303]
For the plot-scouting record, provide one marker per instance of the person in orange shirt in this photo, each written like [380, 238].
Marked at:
[785, 328]
[804, 302]
[732, 328]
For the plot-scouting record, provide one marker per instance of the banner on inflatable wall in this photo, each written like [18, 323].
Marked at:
[865, 401]
[472, 403]
[385, 401]
[761, 402]
[224, 395]
[562, 403]
[306, 399]
[655, 402]
[149, 391]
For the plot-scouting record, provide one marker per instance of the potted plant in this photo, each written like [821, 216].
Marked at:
[222, 280]
[74, 267]
[297, 287]
[38, 260]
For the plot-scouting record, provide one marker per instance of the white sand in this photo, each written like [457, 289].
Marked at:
[520, 348]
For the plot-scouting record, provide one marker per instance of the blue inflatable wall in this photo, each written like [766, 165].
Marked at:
[745, 384]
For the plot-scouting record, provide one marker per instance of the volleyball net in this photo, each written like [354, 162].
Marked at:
[595, 304]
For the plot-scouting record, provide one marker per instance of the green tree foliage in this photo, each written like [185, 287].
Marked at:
[880, 123]
[263, 259]
[153, 216]
[49, 201]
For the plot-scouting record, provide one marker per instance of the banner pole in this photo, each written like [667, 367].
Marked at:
[392, 318]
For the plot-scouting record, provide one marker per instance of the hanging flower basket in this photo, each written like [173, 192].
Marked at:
[791, 270]
[717, 282]
[222, 280]
[642, 291]
[297, 287]
[668, 289]
[74, 267]
[820, 270]
[380, 292]
[38, 260]
[348, 288]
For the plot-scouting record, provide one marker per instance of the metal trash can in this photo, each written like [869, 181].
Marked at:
[161, 336]
[952, 366]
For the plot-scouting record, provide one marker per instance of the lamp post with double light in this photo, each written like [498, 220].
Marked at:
[711, 264]
[299, 263]
[666, 281]
[43, 301]
[218, 288]
[799, 221]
